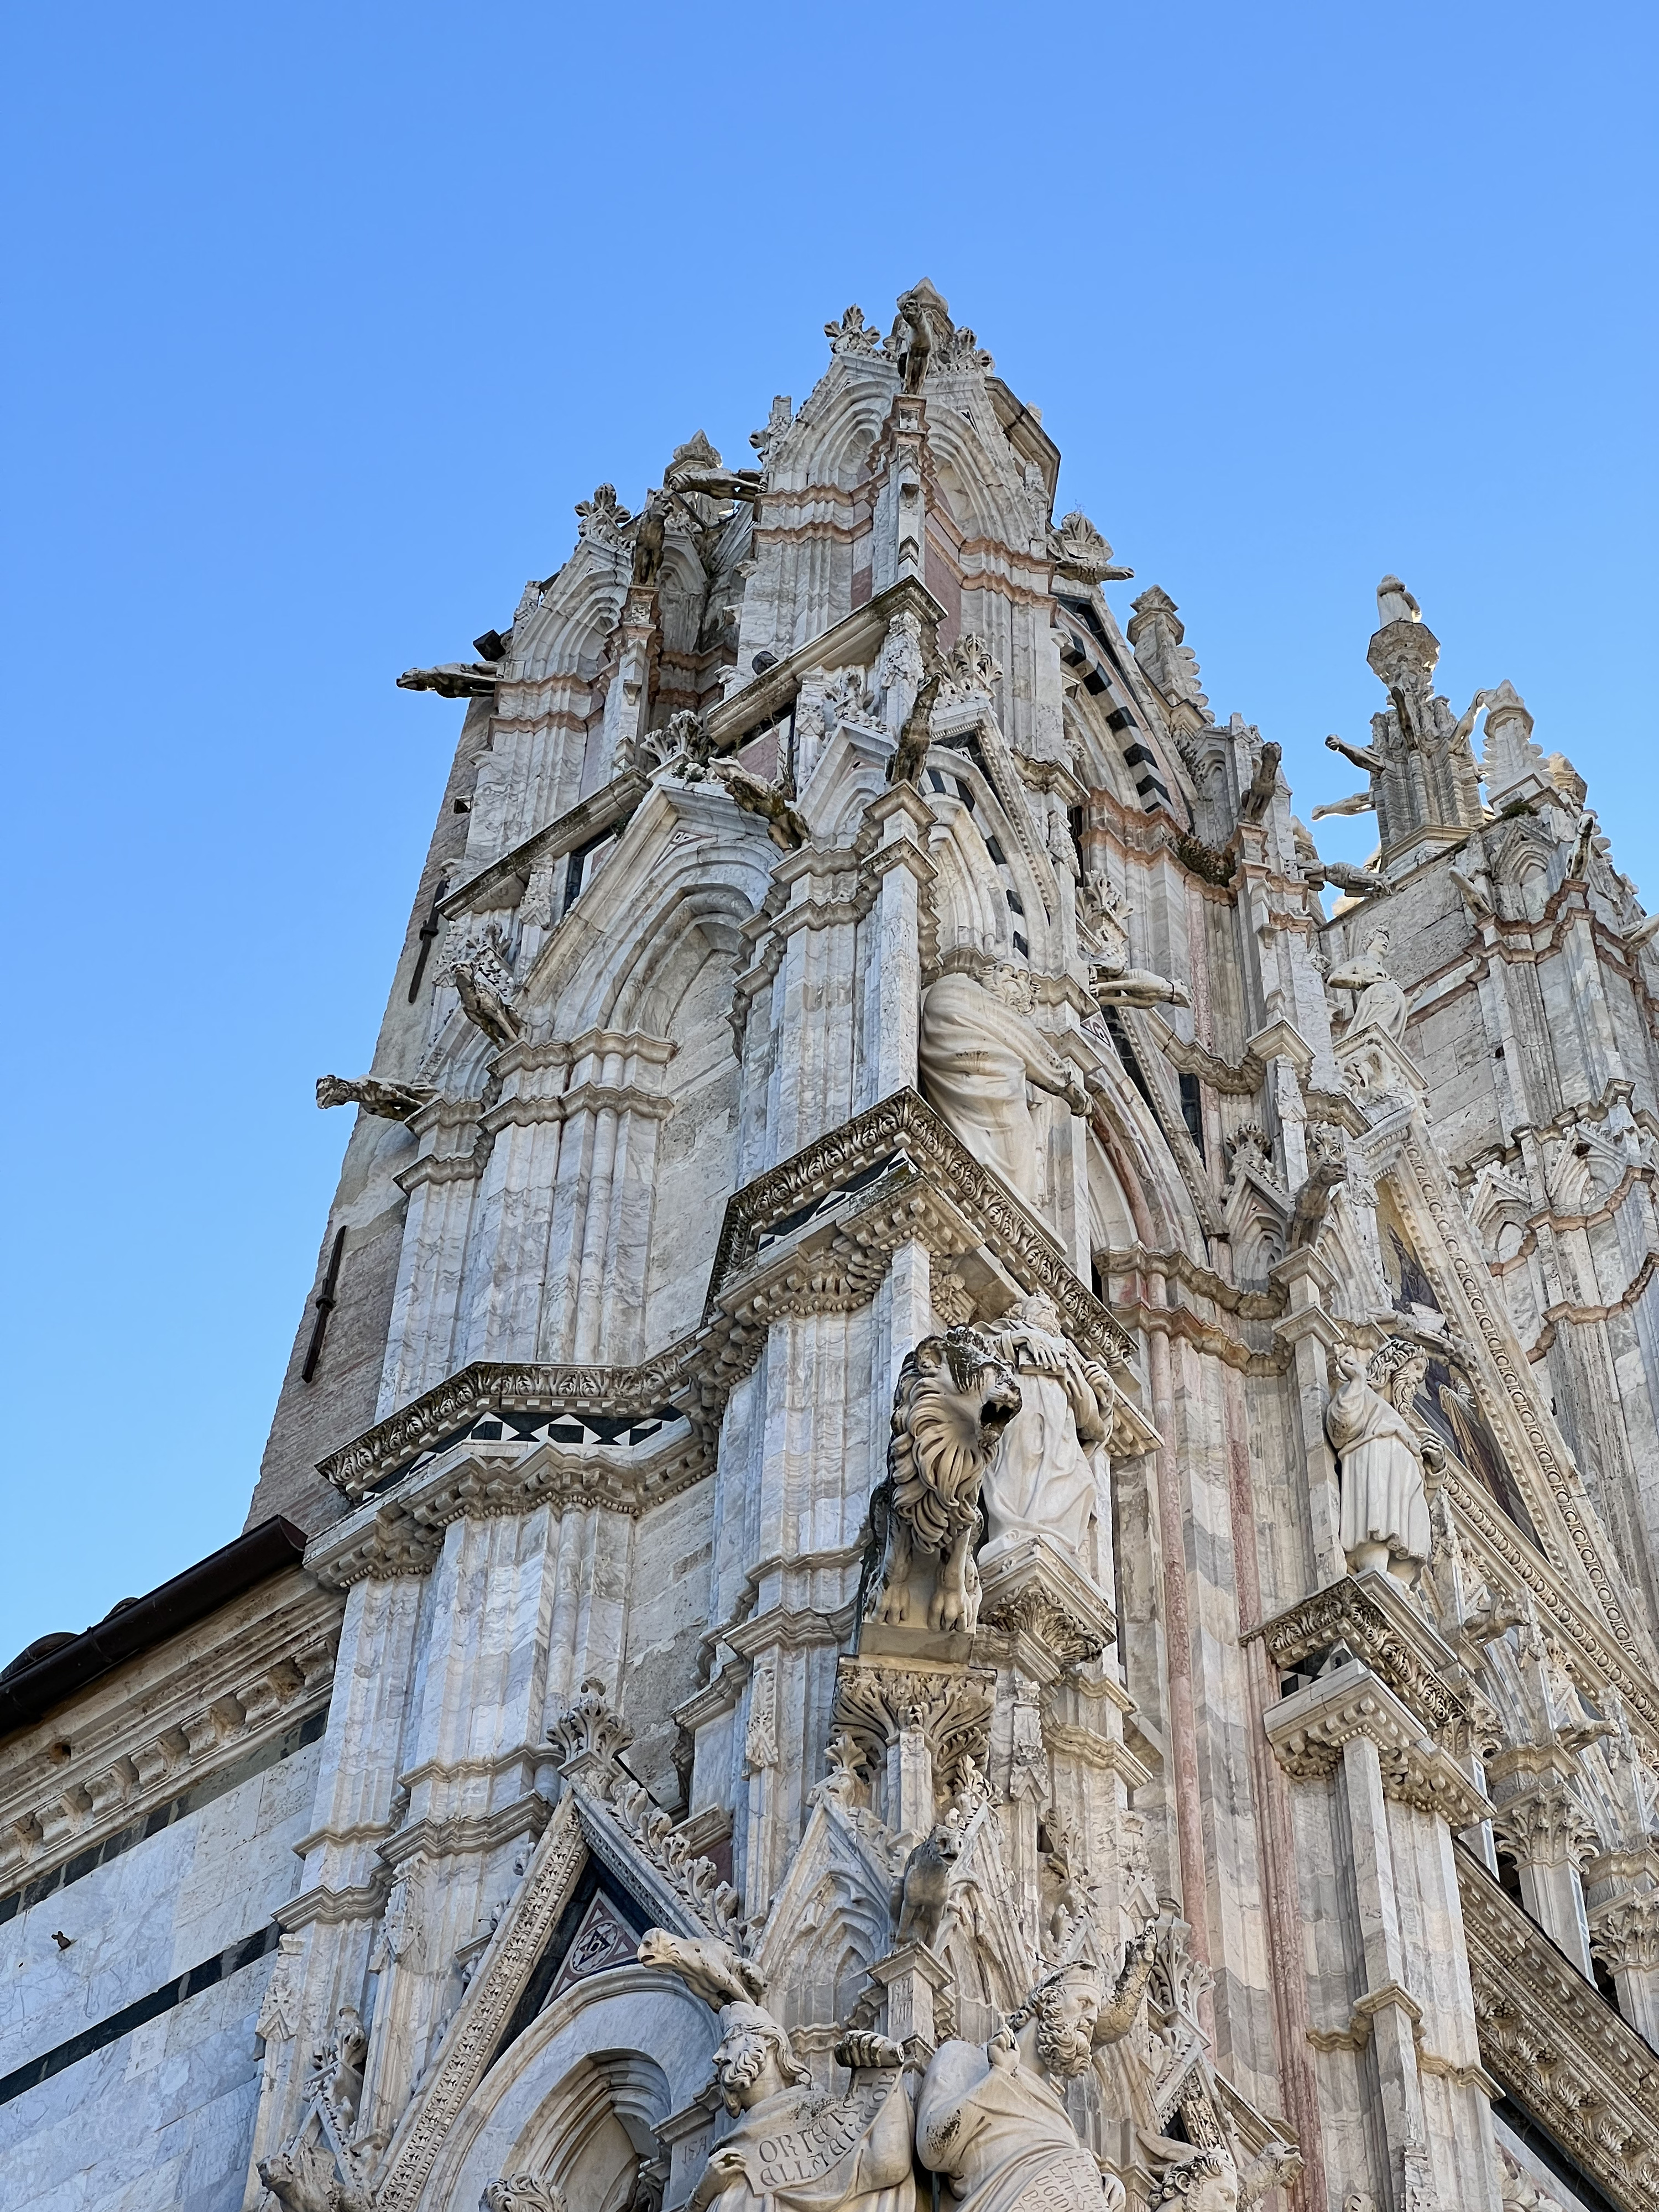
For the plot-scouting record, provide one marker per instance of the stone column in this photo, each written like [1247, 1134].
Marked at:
[1398, 1796]
[891, 957]
[1312, 1334]
[1622, 1891]
[1548, 1837]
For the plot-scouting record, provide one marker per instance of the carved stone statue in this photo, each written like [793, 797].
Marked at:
[391, 1102]
[979, 1050]
[993, 2119]
[521, 2192]
[1396, 603]
[953, 1400]
[1381, 1002]
[930, 1876]
[793, 2150]
[650, 534]
[1047, 1473]
[1385, 1507]
[1208, 2182]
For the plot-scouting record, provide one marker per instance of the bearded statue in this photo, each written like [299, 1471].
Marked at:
[791, 2148]
[993, 2117]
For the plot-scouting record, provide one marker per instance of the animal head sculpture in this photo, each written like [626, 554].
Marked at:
[955, 1397]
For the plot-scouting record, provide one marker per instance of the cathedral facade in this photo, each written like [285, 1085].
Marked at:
[968, 1510]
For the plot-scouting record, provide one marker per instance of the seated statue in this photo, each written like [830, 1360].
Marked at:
[792, 2148]
[993, 2119]
[1047, 1475]
[978, 1050]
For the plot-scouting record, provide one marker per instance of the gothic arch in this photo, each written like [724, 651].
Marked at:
[583, 2089]
[567, 632]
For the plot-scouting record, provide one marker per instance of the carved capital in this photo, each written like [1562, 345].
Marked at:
[1625, 1934]
[1545, 1827]
[1309, 1731]
[875, 1703]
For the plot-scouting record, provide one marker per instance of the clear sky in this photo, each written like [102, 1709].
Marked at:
[323, 318]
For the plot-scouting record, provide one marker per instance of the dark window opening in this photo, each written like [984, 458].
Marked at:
[1605, 1983]
[1192, 1111]
[1126, 1053]
[1509, 1878]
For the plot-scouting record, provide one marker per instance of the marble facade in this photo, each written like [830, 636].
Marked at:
[982, 1496]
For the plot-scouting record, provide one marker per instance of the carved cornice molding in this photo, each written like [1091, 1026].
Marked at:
[1556, 2045]
[402, 1533]
[128, 1753]
[1379, 1624]
[1309, 1731]
[903, 1124]
[438, 1415]
[935, 1193]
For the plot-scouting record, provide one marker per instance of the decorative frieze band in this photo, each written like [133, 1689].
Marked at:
[923, 1185]
[1376, 1622]
[1558, 2046]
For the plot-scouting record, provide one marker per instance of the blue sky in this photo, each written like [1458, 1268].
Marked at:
[323, 319]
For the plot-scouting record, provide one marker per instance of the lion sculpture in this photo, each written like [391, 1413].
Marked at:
[954, 1399]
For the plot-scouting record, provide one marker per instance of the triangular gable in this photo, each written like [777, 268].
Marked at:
[579, 1831]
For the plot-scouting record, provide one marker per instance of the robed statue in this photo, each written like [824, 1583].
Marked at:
[792, 2148]
[1385, 1505]
[991, 2117]
[1047, 1477]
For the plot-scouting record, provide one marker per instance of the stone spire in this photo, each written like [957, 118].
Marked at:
[1424, 780]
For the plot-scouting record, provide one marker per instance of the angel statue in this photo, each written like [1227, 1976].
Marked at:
[792, 2149]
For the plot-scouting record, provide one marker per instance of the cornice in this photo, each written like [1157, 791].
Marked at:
[1381, 1627]
[814, 1234]
[402, 1533]
[1557, 2047]
[131, 1745]
[903, 1124]
[614, 803]
[1309, 1731]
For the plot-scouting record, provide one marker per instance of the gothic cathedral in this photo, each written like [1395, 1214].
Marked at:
[968, 1510]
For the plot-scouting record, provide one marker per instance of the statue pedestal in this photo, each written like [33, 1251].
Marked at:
[1378, 1071]
[1033, 1592]
[916, 1987]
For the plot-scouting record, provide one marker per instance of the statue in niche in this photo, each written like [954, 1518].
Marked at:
[993, 2119]
[980, 1050]
[1385, 1506]
[1047, 1475]
[1381, 1002]
[954, 1398]
[792, 2148]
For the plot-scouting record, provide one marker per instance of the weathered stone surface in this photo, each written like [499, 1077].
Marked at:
[977, 1488]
